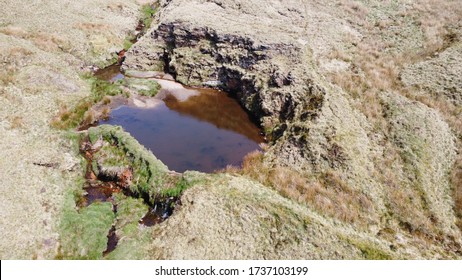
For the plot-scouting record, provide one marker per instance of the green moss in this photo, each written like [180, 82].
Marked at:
[129, 211]
[147, 13]
[71, 118]
[133, 239]
[133, 246]
[179, 187]
[143, 87]
[149, 173]
[101, 88]
[74, 139]
[158, 66]
[93, 137]
[94, 167]
[111, 155]
[84, 235]
[371, 252]
[128, 43]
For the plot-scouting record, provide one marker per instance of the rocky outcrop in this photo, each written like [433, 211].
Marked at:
[311, 124]
[273, 57]
[257, 73]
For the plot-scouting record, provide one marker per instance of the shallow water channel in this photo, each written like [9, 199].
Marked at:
[187, 128]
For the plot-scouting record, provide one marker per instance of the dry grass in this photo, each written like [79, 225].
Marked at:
[44, 41]
[93, 27]
[13, 59]
[369, 75]
[355, 7]
[105, 112]
[340, 55]
[374, 69]
[16, 122]
[106, 100]
[456, 180]
[328, 193]
[32, 204]
[6, 77]
[70, 118]
[436, 19]
[451, 113]
[82, 114]
[19, 52]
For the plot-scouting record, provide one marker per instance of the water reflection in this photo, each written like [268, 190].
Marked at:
[188, 128]
[205, 133]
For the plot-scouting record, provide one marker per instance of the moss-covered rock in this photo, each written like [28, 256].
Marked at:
[148, 171]
[142, 87]
[133, 238]
[84, 232]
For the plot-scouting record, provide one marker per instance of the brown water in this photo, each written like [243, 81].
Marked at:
[110, 73]
[160, 211]
[112, 240]
[190, 128]
[97, 193]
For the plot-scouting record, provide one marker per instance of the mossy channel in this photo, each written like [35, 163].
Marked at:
[119, 169]
[126, 189]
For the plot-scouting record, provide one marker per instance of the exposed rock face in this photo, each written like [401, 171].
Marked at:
[272, 76]
[366, 142]
[257, 73]
[275, 55]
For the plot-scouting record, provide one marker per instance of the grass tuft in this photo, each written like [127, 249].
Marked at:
[84, 233]
[328, 193]
[81, 114]
[456, 180]
[371, 252]
[147, 12]
[149, 173]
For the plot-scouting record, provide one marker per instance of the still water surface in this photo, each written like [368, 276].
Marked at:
[191, 129]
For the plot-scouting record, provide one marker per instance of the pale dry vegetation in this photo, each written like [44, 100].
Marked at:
[6, 77]
[43, 51]
[82, 113]
[456, 179]
[16, 122]
[403, 201]
[375, 64]
[13, 59]
[327, 193]
[44, 41]
[438, 20]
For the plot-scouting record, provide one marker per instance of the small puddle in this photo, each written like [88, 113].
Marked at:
[160, 212]
[189, 128]
[112, 241]
[110, 73]
[98, 193]
[102, 189]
